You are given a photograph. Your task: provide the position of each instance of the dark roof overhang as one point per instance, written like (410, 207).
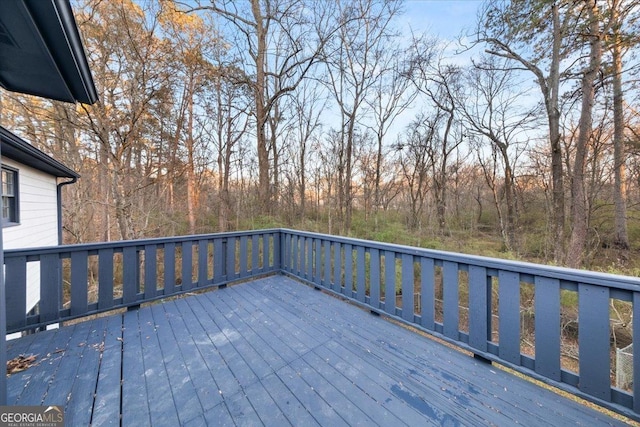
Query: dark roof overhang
(41, 52)
(17, 149)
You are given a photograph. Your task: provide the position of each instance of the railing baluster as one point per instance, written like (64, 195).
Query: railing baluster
(218, 260)
(509, 312)
(407, 287)
(451, 303)
(374, 278)
(593, 340)
(317, 272)
(348, 270)
(326, 279)
(79, 282)
(169, 268)
(427, 293)
(478, 307)
(636, 360)
(309, 272)
(244, 254)
(150, 271)
(231, 258)
(105, 278)
(547, 327)
(16, 292)
(360, 274)
(255, 252)
(390, 282)
(187, 265)
(337, 267)
(50, 287)
(203, 262)
(130, 275)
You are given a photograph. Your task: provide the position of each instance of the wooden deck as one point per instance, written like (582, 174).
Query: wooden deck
(271, 352)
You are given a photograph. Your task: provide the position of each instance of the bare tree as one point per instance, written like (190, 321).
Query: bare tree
(353, 61)
(535, 35)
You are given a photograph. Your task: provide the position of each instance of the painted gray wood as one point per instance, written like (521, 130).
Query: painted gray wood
(49, 287)
(451, 299)
(255, 253)
(231, 258)
(326, 277)
(407, 287)
(150, 271)
(244, 262)
(317, 272)
(360, 274)
(478, 307)
(509, 313)
(547, 327)
(374, 278)
(105, 278)
(169, 268)
(348, 270)
(79, 283)
(16, 292)
(390, 282)
(274, 352)
(337, 267)
(427, 293)
(219, 256)
(130, 275)
(593, 340)
(203, 262)
(636, 360)
(187, 266)
(276, 256)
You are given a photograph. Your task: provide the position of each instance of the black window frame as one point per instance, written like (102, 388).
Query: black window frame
(14, 218)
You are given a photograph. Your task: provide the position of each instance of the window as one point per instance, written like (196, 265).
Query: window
(9, 196)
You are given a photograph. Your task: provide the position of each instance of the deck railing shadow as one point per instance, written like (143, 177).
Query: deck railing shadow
(80, 280)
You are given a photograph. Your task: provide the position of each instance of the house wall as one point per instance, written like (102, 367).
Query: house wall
(38, 221)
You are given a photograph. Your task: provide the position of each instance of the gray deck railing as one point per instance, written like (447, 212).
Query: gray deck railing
(80, 280)
(472, 301)
(490, 325)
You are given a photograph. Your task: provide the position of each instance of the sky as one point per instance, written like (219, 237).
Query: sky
(443, 18)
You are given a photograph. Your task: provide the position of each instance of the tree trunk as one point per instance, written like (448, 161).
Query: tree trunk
(621, 238)
(580, 208)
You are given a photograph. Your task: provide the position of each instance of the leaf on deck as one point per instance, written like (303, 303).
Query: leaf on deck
(21, 363)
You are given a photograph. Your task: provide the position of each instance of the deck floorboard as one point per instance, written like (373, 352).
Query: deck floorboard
(271, 352)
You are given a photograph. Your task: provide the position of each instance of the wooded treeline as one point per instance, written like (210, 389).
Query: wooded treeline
(332, 116)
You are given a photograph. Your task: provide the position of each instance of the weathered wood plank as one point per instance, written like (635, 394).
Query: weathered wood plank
(348, 271)
(244, 255)
(218, 260)
(106, 408)
(203, 262)
(231, 259)
(135, 394)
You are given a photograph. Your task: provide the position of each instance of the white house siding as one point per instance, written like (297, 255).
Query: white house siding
(38, 221)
